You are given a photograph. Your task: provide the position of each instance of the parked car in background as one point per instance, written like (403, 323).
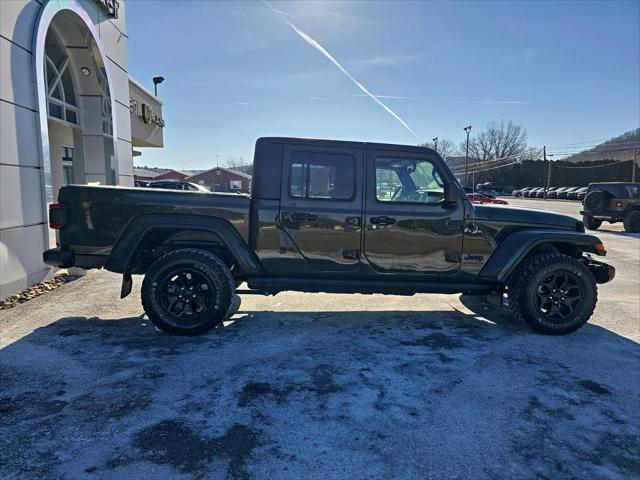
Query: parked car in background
(140, 183)
(544, 192)
(554, 193)
(484, 198)
(490, 187)
(582, 193)
(176, 185)
(574, 195)
(564, 193)
(533, 193)
(518, 191)
(613, 202)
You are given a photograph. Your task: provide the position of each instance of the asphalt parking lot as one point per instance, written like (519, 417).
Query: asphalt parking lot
(320, 386)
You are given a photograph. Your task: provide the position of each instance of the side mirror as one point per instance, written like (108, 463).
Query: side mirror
(451, 193)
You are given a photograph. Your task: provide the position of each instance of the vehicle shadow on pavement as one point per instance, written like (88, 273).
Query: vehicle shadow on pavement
(379, 394)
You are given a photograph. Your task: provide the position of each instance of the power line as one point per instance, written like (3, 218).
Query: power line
(594, 166)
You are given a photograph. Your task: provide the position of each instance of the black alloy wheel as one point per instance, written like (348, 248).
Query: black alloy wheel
(558, 296)
(553, 293)
(187, 291)
(186, 294)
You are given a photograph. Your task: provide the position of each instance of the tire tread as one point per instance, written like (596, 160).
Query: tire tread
(523, 276)
(208, 258)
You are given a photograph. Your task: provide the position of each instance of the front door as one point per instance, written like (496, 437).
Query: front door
(409, 229)
(320, 208)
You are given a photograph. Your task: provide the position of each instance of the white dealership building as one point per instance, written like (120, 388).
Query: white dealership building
(69, 113)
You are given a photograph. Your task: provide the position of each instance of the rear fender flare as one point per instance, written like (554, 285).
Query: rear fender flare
(125, 249)
(513, 249)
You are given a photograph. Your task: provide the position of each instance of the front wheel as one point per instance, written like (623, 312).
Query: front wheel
(632, 221)
(591, 223)
(187, 291)
(553, 293)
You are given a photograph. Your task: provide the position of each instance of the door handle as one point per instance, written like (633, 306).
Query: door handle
(383, 220)
(303, 217)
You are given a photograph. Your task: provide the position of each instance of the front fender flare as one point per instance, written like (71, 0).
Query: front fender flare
(126, 246)
(515, 247)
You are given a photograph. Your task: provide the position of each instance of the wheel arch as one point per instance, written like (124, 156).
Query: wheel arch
(189, 231)
(522, 244)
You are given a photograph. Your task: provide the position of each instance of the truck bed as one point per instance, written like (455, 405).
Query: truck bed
(96, 215)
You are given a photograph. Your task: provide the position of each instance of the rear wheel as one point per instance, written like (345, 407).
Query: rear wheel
(591, 223)
(187, 291)
(553, 293)
(632, 221)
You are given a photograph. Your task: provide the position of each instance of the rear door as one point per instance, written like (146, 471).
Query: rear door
(408, 228)
(321, 208)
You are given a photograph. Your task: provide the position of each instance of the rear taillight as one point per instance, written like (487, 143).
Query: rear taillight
(56, 216)
(619, 203)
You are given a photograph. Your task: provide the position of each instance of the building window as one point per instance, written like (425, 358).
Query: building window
(235, 185)
(103, 87)
(321, 176)
(61, 98)
(67, 165)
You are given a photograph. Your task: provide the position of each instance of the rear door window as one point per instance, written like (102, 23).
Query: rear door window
(321, 175)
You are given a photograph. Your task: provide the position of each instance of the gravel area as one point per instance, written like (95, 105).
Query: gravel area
(38, 289)
(320, 386)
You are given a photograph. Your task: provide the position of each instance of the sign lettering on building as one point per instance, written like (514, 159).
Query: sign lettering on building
(145, 113)
(109, 7)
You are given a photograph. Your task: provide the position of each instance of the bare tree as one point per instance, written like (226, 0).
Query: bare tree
(446, 147)
(499, 140)
(235, 163)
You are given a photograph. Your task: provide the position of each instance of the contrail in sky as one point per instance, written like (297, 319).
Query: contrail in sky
(321, 49)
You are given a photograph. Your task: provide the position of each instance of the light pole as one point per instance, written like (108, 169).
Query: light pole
(466, 157)
(435, 144)
(156, 81)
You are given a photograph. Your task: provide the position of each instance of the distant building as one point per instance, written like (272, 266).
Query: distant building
(148, 175)
(223, 180)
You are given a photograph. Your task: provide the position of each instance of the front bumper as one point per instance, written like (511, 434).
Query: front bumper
(602, 271)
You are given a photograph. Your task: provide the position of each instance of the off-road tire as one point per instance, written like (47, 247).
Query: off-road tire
(591, 223)
(632, 221)
(527, 282)
(596, 201)
(205, 269)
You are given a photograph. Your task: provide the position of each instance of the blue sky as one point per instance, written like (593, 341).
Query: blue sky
(235, 71)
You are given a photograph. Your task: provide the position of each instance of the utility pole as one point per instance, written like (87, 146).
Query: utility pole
(633, 165)
(435, 144)
(466, 157)
(544, 157)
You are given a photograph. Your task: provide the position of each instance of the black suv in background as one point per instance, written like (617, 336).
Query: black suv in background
(613, 202)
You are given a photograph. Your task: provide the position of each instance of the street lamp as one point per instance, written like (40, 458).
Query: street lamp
(156, 81)
(435, 144)
(466, 157)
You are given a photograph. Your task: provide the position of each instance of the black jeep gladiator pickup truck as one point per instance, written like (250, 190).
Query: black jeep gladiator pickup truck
(329, 216)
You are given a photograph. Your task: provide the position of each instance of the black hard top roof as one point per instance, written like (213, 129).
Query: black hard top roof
(345, 144)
